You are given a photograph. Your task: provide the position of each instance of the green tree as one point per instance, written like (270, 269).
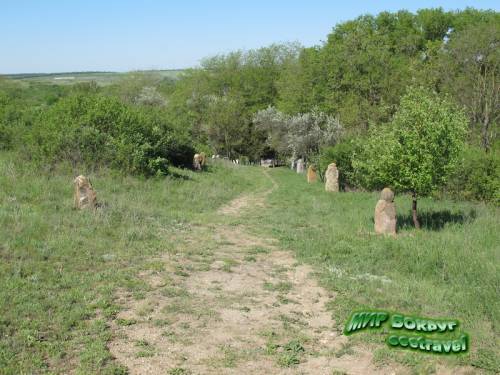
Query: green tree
(470, 67)
(302, 85)
(363, 68)
(217, 101)
(418, 150)
(224, 124)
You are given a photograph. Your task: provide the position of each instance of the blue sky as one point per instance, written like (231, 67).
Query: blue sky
(122, 35)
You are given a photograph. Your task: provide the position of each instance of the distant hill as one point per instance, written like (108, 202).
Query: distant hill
(102, 78)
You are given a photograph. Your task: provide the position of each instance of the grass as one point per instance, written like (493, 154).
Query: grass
(178, 371)
(282, 287)
(229, 264)
(449, 269)
(288, 354)
(228, 357)
(145, 349)
(60, 269)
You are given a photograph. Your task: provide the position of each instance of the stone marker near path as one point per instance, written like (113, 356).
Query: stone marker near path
(197, 162)
(312, 175)
(385, 213)
(203, 161)
(332, 178)
(85, 195)
(300, 166)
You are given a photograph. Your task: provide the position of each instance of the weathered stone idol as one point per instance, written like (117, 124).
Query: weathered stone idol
(197, 162)
(312, 175)
(85, 196)
(300, 166)
(332, 178)
(203, 160)
(385, 213)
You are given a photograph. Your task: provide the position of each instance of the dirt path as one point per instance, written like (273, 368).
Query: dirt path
(231, 303)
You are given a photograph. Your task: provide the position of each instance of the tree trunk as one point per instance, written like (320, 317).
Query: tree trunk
(485, 135)
(414, 211)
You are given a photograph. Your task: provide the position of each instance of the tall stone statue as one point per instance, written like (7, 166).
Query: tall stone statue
(312, 175)
(85, 195)
(332, 178)
(385, 213)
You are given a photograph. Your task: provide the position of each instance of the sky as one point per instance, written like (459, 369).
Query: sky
(46, 36)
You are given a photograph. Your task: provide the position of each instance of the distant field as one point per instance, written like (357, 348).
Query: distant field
(102, 78)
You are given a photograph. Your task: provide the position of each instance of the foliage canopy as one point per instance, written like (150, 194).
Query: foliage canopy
(419, 148)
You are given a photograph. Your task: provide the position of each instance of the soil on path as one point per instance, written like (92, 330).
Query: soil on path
(228, 302)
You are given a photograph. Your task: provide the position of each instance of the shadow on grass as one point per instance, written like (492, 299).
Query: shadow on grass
(435, 220)
(180, 176)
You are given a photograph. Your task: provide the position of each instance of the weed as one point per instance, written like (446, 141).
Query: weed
(178, 371)
(146, 350)
(126, 322)
(228, 264)
(250, 258)
(291, 354)
(282, 286)
(254, 250)
(346, 349)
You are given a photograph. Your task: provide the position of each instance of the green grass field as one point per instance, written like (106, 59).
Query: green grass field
(61, 269)
(449, 269)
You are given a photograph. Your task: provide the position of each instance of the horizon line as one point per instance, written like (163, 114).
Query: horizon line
(92, 71)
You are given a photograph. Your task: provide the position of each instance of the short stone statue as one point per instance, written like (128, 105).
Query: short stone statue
(85, 195)
(312, 175)
(332, 178)
(385, 213)
(197, 162)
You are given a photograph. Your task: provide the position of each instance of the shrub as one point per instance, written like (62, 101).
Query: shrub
(15, 122)
(301, 135)
(478, 177)
(341, 154)
(6, 132)
(95, 130)
(9, 118)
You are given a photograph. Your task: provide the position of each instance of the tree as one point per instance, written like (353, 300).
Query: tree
(300, 135)
(308, 132)
(273, 124)
(418, 150)
(302, 85)
(131, 86)
(217, 101)
(367, 63)
(470, 65)
(150, 96)
(224, 124)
